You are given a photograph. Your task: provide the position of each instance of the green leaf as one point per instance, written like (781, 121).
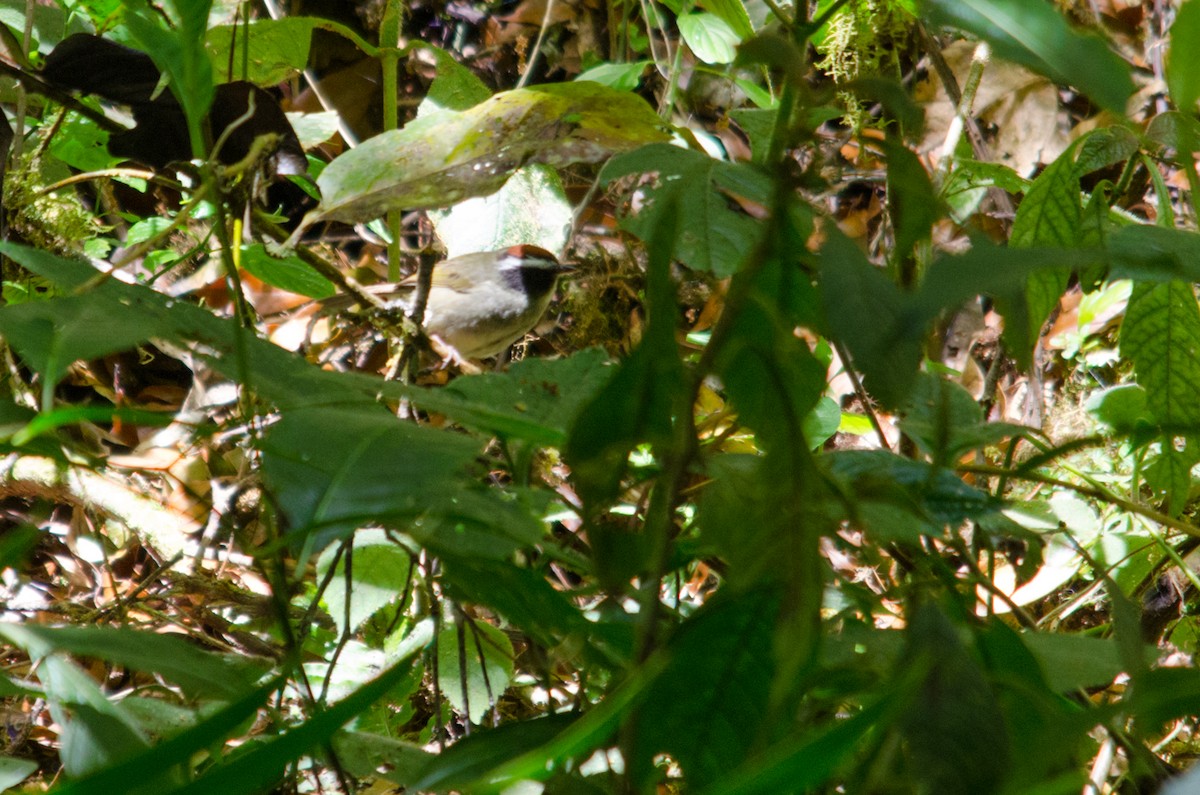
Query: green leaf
(1155, 254)
(758, 124)
(1105, 147)
(200, 673)
(713, 235)
(287, 273)
(637, 404)
(380, 574)
(273, 50)
(954, 726)
(887, 350)
(94, 731)
(335, 469)
(1183, 80)
(572, 743)
(1072, 662)
(51, 334)
(774, 51)
(706, 707)
(621, 76)
(364, 754)
(970, 180)
(139, 774)
(911, 200)
(1123, 409)
(810, 759)
(262, 766)
(1170, 473)
(523, 597)
(1049, 215)
(485, 671)
(1161, 336)
(710, 38)
(455, 88)
(13, 771)
(531, 208)
(762, 348)
(1094, 230)
(1173, 132)
(80, 143)
(16, 546)
(178, 51)
(734, 14)
(443, 158)
(536, 400)
(937, 494)
(1034, 34)
(48, 25)
(945, 421)
(473, 757)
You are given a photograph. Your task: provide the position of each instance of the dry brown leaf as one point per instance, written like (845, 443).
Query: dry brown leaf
(1022, 106)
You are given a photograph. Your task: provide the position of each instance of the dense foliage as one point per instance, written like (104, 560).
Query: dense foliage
(855, 456)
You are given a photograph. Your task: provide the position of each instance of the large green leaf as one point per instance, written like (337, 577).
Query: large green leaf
(273, 50)
(911, 199)
(13, 771)
(475, 756)
(1161, 336)
(1183, 79)
(522, 596)
(94, 732)
(332, 470)
(178, 51)
(714, 235)
(380, 573)
(1033, 33)
(638, 403)
(51, 334)
(139, 774)
(887, 349)
(531, 208)
(536, 400)
(1049, 215)
(200, 673)
(945, 421)
(954, 727)
(442, 158)
(938, 494)
(260, 767)
(706, 707)
(807, 760)
(475, 665)
(709, 36)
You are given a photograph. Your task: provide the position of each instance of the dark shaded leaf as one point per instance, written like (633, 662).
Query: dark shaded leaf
(955, 730)
(714, 234)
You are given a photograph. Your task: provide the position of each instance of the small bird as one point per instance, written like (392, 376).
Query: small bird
(481, 303)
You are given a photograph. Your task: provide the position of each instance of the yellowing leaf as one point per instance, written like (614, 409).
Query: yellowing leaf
(442, 158)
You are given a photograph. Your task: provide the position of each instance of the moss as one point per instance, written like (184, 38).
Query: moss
(54, 222)
(865, 38)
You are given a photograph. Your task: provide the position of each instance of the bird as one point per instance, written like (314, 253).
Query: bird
(479, 304)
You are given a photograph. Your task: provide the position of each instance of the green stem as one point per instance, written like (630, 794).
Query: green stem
(389, 60)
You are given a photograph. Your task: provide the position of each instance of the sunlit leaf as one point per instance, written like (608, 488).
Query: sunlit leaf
(443, 158)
